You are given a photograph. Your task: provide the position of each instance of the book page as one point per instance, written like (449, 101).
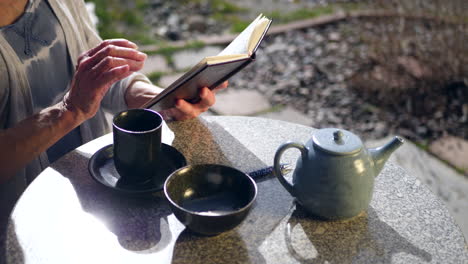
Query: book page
(240, 45)
(258, 33)
(225, 58)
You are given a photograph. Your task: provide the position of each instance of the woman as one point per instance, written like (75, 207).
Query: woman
(55, 74)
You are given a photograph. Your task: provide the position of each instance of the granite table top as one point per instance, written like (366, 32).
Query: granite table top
(66, 217)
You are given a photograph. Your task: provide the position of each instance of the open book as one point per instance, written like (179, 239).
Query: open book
(212, 71)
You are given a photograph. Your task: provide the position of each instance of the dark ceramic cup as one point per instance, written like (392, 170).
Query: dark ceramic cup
(137, 144)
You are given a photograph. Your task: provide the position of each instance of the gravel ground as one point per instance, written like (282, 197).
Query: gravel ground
(313, 70)
(335, 75)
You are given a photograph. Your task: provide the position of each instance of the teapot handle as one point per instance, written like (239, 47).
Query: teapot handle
(277, 165)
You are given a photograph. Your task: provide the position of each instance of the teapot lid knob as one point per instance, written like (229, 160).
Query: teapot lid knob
(338, 136)
(337, 141)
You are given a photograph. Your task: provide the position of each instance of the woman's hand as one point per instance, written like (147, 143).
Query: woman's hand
(184, 110)
(99, 68)
(140, 92)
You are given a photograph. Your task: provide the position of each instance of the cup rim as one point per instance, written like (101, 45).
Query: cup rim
(137, 132)
(244, 208)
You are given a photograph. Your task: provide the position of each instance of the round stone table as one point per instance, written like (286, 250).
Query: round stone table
(65, 216)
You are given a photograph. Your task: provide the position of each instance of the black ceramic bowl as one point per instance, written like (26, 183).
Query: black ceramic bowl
(210, 199)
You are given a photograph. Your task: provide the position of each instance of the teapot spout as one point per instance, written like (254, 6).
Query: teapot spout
(381, 154)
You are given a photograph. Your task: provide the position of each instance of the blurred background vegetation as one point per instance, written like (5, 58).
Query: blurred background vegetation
(123, 18)
(119, 18)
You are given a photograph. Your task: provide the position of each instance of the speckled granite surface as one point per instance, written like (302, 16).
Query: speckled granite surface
(66, 217)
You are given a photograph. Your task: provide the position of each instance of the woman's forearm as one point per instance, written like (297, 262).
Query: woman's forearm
(34, 135)
(138, 93)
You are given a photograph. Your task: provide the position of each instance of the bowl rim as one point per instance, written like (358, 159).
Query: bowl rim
(246, 207)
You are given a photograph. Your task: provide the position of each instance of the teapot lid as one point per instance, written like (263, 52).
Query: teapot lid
(337, 141)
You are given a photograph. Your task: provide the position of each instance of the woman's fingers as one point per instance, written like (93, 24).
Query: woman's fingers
(135, 59)
(184, 110)
(224, 85)
(113, 75)
(121, 52)
(111, 62)
(107, 42)
(106, 49)
(115, 42)
(207, 99)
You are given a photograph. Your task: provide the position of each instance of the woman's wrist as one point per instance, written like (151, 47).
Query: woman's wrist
(69, 112)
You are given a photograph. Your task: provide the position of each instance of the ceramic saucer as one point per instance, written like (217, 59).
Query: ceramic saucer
(102, 169)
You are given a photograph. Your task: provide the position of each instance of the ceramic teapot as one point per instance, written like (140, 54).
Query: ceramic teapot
(334, 177)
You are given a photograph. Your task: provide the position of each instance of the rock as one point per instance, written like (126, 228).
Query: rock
(318, 51)
(156, 3)
(464, 117)
(344, 48)
(196, 23)
(275, 47)
(318, 38)
(303, 91)
(173, 21)
(414, 67)
(330, 47)
(173, 35)
(452, 149)
(334, 36)
(162, 30)
(388, 78)
(380, 128)
(421, 130)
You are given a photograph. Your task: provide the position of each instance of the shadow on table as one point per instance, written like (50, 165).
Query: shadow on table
(139, 223)
(202, 141)
(362, 239)
(142, 224)
(240, 245)
(272, 204)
